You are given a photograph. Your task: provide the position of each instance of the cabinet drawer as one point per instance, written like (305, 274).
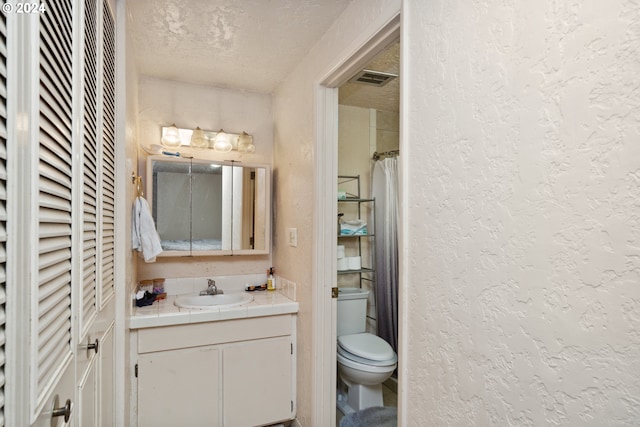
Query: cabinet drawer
(218, 332)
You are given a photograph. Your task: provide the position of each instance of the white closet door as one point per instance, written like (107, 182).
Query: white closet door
(51, 283)
(3, 203)
(108, 157)
(89, 169)
(98, 161)
(98, 176)
(61, 263)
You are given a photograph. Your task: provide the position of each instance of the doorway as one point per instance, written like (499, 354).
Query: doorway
(368, 145)
(325, 307)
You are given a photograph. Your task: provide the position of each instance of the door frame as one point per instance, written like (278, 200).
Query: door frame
(326, 167)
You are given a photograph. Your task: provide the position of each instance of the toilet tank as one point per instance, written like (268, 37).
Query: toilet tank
(352, 311)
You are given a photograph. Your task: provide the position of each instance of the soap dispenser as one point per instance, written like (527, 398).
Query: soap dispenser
(271, 281)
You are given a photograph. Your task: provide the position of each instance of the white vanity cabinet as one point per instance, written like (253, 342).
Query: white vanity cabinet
(237, 372)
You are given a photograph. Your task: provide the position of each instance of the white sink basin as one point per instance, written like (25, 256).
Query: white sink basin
(211, 301)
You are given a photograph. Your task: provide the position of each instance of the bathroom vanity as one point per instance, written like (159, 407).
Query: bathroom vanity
(220, 367)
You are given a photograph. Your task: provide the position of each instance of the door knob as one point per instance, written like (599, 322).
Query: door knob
(64, 411)
(95, 346)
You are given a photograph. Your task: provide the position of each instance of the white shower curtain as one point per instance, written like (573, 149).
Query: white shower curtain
(385, 191)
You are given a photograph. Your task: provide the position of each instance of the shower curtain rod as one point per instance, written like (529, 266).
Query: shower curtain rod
(390, 153)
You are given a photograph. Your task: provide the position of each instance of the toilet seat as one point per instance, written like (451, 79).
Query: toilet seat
(366, 349)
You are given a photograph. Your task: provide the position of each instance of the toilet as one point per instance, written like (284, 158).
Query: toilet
(365, 360)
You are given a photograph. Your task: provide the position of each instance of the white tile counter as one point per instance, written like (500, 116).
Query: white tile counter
(165, 312)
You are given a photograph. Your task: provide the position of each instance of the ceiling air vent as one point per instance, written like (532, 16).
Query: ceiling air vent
(374, 78)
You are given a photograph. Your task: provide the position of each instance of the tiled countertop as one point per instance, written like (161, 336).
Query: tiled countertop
(165, 313)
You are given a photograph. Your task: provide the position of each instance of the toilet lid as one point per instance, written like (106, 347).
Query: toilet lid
(367, 346)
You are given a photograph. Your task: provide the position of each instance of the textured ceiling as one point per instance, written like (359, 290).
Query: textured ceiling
(249, 45)
(386, 97)
(246, 45)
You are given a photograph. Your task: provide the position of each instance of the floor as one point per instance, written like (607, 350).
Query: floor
(389, 397)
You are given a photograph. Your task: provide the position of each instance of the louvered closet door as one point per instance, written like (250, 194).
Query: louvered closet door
(108, 157)
(51, 321)
(106, 294)
(90, 170)
(98, 162)
(3, 203)
(94, 369)
(64, 212)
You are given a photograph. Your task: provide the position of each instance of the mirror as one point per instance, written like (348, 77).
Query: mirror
(209, 208)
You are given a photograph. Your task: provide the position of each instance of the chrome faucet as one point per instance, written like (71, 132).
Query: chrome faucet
(212, 289)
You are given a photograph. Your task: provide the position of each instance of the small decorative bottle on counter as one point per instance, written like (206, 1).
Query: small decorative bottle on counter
(271, 280)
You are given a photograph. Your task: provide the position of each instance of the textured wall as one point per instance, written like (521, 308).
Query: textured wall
(387, 130)
(294, 162)
(523, 218)
(162, 102)
(129, 145)
(126, 164)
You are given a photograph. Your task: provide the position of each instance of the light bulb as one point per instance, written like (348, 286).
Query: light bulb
(171, 137)
(222, 142)
(198, 139)
(245, 143)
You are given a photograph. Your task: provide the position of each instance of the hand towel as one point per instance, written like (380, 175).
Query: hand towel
(144, 237)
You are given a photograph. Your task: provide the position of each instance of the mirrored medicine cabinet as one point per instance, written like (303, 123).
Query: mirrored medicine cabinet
(204, 208)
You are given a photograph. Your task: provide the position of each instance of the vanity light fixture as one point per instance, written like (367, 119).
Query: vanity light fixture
(171, 137)
(221, 141)
(198, 139)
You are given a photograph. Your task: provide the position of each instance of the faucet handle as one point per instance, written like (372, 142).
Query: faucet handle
(211, 282)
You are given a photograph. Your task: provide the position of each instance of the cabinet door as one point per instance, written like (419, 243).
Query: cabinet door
(106, 381)
(179, 388)
(96, 384)
(257, 380)
(87, 396)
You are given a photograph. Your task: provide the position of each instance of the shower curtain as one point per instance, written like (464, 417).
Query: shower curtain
(385, 191)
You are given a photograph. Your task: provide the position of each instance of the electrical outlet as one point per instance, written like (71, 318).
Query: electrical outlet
(293, 237)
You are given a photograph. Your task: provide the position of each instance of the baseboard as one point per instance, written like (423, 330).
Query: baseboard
(392, 384)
